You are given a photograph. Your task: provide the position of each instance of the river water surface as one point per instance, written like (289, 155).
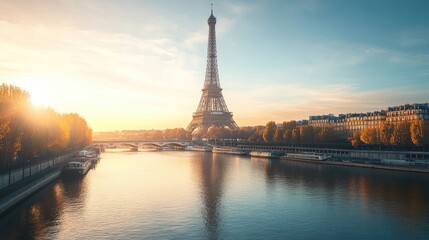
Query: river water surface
(195, 195)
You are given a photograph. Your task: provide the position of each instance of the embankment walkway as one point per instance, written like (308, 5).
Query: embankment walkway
(17, 185)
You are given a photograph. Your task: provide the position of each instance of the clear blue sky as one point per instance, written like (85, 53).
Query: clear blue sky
(140, 64)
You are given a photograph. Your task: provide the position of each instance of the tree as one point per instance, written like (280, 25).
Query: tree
(370, 136)
(257, 135)
(182, 134)
(401, 135)
(289, 125)
(386, 130)
(27, 132)
(355, 139)
(295, 137)
(246, 132)
(218, 133)
(287, 136)
(157, 135)
(234, 134)
(327, 135)
(419, 133)
(80, 133)
(278, 135)
(307, 134)
(317, 134)
(269, 131)
(13, 104)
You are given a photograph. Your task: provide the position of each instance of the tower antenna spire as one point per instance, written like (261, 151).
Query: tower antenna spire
(211, 7)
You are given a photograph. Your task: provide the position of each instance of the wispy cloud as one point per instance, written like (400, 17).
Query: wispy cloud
(100, 68)
(241, 9)
(144, 63)
(298, 101)
(413, 37)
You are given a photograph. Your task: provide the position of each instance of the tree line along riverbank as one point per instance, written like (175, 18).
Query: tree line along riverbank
(30, 134)
(404, 136)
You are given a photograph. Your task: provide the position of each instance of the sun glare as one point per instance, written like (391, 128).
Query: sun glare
(39, 98)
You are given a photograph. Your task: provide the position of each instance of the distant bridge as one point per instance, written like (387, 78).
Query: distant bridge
(139, 143)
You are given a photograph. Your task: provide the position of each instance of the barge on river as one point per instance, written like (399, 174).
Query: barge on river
(305, 156)
(77, 167)
(198, 148)
(229, 150)
(260, 154)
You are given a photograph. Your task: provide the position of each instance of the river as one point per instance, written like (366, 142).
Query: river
(196, 195)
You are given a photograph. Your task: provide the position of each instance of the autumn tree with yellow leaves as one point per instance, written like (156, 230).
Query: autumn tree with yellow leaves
(386, 131)
(28, 132)
(400, 134)
(370, 136)
(269, 132)
(419, 132)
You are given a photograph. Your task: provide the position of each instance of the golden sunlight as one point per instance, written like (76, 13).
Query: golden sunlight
(38, 88)
(39, 98)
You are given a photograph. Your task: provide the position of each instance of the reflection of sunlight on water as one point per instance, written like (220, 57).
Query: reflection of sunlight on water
(38, 221)
(59, 191)
(364, 191)
(260, 163)
(35, 213)
(191, 195)
(124, 149)
(117, 150)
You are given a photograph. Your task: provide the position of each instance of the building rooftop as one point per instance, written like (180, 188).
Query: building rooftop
(409, 107)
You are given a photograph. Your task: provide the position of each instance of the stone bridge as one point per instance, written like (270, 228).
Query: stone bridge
(138, 143)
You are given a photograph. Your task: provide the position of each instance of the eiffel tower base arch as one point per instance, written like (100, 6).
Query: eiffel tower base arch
(203, 121)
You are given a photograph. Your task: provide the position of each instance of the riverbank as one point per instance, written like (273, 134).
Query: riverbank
(19, 184)
(10, 200)
(387, 160)
(225, 197)
(362, 165)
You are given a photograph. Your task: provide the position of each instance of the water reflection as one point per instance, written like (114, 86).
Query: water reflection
(74, 191)
(33, 219)
(400, 193)
(189, 195)
(40, 216)
(210, 173)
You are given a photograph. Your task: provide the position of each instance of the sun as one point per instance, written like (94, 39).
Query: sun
(39, 98)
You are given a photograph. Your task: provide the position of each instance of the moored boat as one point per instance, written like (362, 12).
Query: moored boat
(306, 156)
(78, 167)
(229, 150)
(263, 154)
(198, 148)
(90, 155)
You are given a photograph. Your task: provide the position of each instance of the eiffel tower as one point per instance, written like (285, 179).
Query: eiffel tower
(212, 109)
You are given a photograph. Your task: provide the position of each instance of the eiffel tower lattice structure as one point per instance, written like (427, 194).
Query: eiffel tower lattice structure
(212, 109)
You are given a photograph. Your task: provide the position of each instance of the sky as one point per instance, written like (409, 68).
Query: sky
(133, 64)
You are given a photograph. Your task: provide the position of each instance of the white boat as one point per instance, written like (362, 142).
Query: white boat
(198, 148)
(77, 167)
(306, 156)
(89, 154)
(229, 150)
(262, 154)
